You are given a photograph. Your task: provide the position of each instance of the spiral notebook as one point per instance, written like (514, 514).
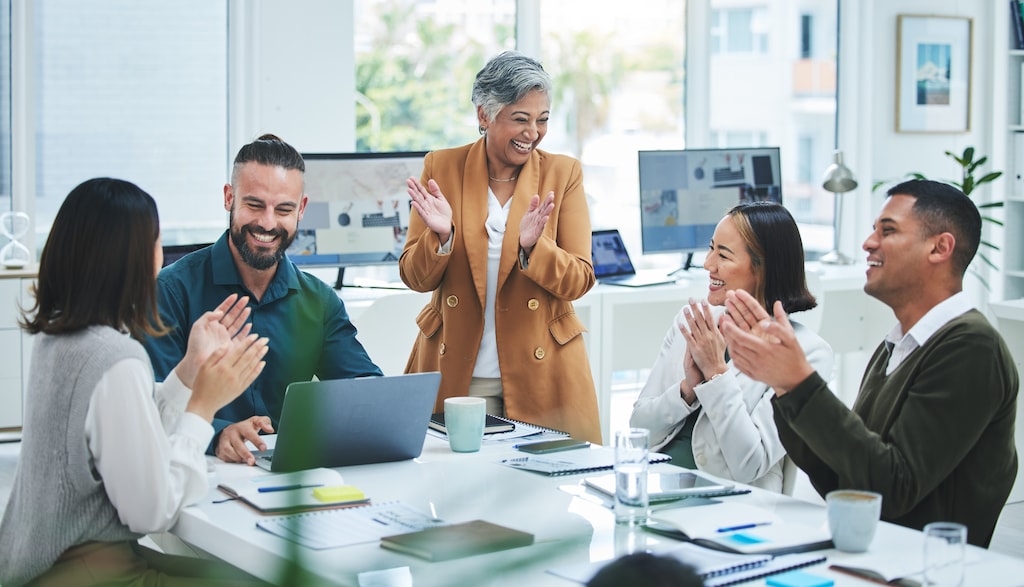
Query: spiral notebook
(715, 567)
(333, 528)
(598, 458)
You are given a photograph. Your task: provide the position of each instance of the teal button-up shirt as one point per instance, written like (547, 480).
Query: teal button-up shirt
(308, 327)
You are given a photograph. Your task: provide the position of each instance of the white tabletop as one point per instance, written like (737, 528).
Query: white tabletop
(463, 487)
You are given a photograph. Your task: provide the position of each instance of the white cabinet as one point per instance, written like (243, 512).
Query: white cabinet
(10, 354)
(14, 346)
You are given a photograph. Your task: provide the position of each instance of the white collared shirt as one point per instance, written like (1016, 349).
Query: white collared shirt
(904, 344)
(497, 216)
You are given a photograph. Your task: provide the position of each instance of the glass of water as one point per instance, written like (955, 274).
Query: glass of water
(631, 451)
(944, 550)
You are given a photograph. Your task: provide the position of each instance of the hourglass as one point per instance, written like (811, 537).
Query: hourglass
(14, 225)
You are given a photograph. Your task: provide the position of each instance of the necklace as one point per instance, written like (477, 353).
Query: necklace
(513, 178)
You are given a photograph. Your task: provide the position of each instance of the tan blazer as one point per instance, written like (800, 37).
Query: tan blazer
(545, 373)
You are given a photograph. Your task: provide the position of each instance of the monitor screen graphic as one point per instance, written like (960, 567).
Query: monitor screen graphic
(358, 209)
(684, 193)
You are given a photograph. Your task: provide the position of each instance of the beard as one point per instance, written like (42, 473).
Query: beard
(257, 260)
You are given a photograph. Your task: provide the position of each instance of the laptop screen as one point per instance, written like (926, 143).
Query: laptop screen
(609, 254)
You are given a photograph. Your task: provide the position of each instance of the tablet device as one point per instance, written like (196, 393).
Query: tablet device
(666, 486)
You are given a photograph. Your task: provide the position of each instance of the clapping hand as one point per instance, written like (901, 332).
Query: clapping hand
(432, 206)
(764, 349)
(211, 331)
(704, 343)
(534, 221)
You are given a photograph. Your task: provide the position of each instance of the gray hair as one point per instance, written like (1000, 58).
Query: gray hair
(506, 79)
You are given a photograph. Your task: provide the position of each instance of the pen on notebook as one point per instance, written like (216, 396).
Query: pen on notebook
(287, 487)
(743, 526)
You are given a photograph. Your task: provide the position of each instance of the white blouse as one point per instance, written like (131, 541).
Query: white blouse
(148, 450)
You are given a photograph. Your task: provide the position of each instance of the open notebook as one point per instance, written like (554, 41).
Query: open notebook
(596, 458)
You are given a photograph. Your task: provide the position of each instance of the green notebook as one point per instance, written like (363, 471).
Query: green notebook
(457, 540)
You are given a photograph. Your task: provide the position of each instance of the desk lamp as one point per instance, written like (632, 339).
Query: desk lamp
(838, 180)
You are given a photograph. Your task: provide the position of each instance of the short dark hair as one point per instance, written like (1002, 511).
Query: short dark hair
(643, 569)
(269, 150)
(98, 266)
(943, 208)
(776, 254)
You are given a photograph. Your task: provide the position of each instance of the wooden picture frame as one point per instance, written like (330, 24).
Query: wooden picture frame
(933, 73)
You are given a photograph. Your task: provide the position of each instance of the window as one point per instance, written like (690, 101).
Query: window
(415, 65)
(739, 30)
(619, 83)
(138, 92)
(786, 95)
(806, 32)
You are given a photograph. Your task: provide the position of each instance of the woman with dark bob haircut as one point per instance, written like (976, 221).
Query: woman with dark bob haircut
(697, 405)
(107, 455)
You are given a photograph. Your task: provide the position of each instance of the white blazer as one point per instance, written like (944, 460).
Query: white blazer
(734, 436)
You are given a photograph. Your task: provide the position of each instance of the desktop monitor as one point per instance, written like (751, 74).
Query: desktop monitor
(358, 210)
(684, 193)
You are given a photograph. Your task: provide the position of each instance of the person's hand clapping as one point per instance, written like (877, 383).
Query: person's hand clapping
(703, 341)
(432, 206)
(211, 331)
(225, 374)
(769, 353)
(534, 221)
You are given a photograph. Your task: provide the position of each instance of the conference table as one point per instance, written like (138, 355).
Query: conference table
(570, 526)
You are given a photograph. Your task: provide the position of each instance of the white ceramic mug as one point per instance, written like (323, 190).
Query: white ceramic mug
(464, 419)
(852, 517)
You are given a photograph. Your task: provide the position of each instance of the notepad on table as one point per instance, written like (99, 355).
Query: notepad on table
(492, 424)
(309, 489)
(742, 528)
(596, 458)
(457, 540)
(344, 527)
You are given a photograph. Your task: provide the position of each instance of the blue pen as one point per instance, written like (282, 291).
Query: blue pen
(287, 487)
(743, 526)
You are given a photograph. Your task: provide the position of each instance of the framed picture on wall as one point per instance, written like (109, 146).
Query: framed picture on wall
(933, 73)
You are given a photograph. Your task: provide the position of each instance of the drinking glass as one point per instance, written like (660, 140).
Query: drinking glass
(944, 549)
(631, 462)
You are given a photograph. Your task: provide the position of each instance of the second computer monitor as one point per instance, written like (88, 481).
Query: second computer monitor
(684, 193)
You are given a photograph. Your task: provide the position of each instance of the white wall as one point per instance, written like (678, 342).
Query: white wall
(294, 73)
(874, 150)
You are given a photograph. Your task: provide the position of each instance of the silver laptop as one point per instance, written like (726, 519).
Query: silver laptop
(613, 266)
(352, 422)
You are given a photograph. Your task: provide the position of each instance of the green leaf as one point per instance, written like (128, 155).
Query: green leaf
(968, 186)
(991, 176)
(969, 154)
(989, 245)
(991, 205)
(995, 221)
(917, 175)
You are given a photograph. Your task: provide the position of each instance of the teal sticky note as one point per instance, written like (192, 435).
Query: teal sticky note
(743, 538)
(799, 579)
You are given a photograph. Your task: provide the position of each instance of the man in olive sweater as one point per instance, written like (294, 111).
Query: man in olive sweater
(932, 426)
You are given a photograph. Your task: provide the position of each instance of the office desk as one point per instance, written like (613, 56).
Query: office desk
(463, 487)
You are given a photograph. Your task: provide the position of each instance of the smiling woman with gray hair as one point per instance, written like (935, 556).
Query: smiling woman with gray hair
(502, 238)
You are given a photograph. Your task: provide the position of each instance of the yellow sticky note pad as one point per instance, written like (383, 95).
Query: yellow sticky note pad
(338, 493)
